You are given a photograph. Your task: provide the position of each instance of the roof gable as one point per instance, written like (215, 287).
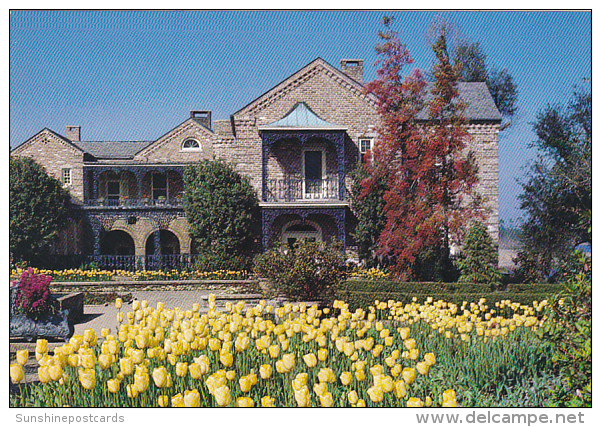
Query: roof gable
(47, 131)
(301, 117)
(168, 136)
(316, 66)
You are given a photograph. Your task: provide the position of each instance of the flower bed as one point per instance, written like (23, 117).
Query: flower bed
(392, 354)
(78, 275)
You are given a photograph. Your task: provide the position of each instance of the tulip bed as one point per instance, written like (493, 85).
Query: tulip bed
(94, 275)
(391, 355)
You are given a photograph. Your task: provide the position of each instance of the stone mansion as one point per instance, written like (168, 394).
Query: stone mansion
(296, 143)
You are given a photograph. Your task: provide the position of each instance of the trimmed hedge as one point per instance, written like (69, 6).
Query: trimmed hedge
(363, 293)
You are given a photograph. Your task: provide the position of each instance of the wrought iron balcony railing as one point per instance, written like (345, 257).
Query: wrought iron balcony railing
(144, 202)
(299, 189)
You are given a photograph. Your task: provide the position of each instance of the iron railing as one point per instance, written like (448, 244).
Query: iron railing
(144, 202)
(299, 189)
(143, 262)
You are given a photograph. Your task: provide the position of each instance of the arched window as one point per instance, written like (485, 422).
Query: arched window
(191, 145)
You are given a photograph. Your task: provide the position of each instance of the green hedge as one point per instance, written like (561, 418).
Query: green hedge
(362, 293)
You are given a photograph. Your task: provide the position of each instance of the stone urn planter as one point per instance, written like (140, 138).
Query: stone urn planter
(54, 326)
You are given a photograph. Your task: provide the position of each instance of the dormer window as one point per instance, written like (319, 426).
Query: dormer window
(191, 145)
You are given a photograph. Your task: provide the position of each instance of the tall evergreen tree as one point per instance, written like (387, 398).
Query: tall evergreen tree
(38, 207)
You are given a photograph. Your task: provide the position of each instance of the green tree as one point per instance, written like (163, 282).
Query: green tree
(472, 63)
(369, 211)
(39, 207)
(479, 257)
(557, 194)
(222, 209)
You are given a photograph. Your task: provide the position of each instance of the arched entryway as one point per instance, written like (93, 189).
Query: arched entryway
(117, 242)
(301, 231)
(168, 241)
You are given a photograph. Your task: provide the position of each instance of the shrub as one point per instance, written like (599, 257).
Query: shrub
(39, 207)
(568, 328)
(33, 294)
(222, 209)
(480, 258)
(308, 272)
(211, 261)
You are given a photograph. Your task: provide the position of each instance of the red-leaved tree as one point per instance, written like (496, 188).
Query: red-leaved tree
(421, 161)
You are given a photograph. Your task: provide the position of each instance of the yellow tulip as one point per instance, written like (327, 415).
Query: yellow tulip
(105, 361)
(310, 360)
(22, 357)
(43, 374)
(326, 375)
(267, 402)
(163, 401)
(127, 365)
(353, 397)
(320, 388)
(430, 359)
(113, 385)
(90, 337)
(408, 375)
(181, 369)
(223, 396)
(177, 401)
(360, 375)
(159, 375)
(400, 389)
(118, 303)
(361, 403)
(288, 361)
(303, 397)
(422, 368)
(375, 394)
(226, 359)
(203, 363)
(245, 402)
(41, 346)
(274, 351)
(322, 354)
(17, 373)
(245, 384)
(428, 401)
(265, 371)
(87, 378)
(415, 402)
(346, 378)
(55, 372)
(192, 399)
(326, 400)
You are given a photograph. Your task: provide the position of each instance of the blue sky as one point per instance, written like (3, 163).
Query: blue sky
(134, 75)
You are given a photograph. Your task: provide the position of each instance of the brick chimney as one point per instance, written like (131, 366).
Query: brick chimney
(74, 133)
(352, 68)
(202, 117)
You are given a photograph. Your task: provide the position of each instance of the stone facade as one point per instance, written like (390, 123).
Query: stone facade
(135, 187)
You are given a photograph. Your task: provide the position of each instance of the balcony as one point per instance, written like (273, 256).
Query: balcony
(135, 203)
(302, 190)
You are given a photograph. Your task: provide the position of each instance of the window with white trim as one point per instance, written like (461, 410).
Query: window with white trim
(191, 145)
(365, 146)
(66, 176)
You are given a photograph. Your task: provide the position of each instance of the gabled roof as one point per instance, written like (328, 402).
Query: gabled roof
(112, 149)
(292, 81)
(53, 133)
(479, 103)
(301, 117)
